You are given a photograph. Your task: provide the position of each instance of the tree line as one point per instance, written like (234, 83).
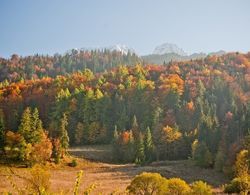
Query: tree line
(19, 68)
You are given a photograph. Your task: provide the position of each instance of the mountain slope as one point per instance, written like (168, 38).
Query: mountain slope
(168, 48)
(170, 52)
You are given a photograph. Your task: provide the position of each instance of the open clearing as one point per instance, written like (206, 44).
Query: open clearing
(111, 177)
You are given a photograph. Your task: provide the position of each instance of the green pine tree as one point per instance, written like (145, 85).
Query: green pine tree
(219, 160)
(64, 138)
(79, 133)
(36, 127)
(25, 126)
(135, 129)
(22, 152)
(201, 154)
(115, 135)
(149, 146)
(140, 151)
(115, 145)
(130, 150)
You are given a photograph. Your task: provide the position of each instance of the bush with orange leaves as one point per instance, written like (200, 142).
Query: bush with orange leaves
(40, 152)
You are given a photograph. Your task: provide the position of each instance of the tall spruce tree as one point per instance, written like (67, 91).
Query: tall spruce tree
(64, 138)
(31, 127)
(140, 151)
(131, 148)
(25, 126)
(115, 145)
(115, 136)
(79, 133)
(201, 154)
(149, 146)
(36, 127)
(135, 128)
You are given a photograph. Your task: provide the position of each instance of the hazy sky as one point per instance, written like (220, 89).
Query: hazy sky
(50, 26)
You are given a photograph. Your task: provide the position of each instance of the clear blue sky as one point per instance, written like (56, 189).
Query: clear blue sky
(50, 26)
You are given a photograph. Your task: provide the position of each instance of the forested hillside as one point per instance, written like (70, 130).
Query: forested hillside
(202, 104)
(38, 66)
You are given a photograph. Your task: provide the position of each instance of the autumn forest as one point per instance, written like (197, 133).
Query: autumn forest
(197, 109)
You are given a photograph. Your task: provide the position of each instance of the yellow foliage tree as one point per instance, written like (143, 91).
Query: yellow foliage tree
(147, 183)
(177, 186)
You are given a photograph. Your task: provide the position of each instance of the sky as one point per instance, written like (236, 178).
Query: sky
(55, 26)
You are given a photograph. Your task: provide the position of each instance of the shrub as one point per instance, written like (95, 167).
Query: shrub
(77, 182)
(39, 182)
(15, 146)
(238, 185)
(40, 152)
(176, 186)
(200, 188)
(73, 163)
(155, 184)
(147, 183)
(241, 164)
(233, 187)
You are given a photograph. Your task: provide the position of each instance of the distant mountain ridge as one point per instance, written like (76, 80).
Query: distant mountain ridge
(170, 52)
(168, 48)
(163, 53)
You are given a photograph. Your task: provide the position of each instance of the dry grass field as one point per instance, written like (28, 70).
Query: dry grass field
(110, 178)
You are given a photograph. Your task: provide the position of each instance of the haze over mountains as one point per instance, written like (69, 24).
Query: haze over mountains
(171, 52)
(169, 48)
